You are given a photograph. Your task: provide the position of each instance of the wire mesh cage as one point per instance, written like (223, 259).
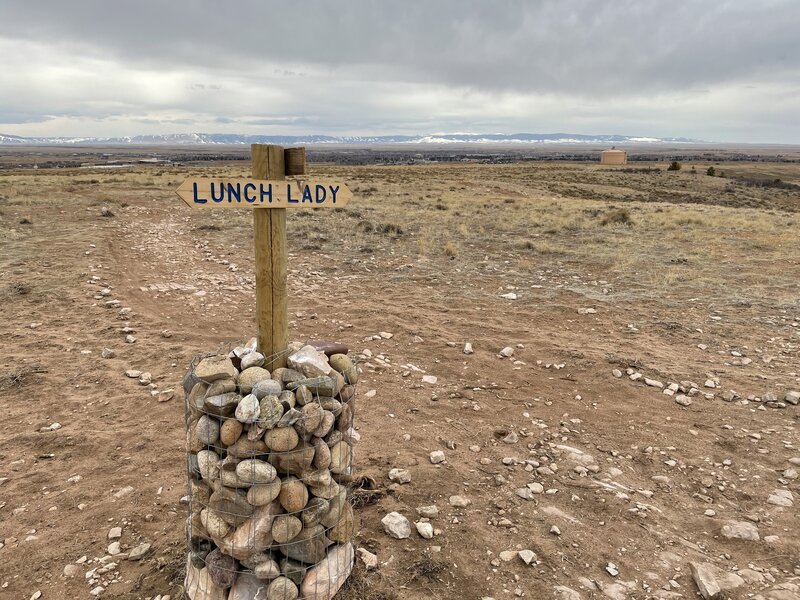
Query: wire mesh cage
(269, 460)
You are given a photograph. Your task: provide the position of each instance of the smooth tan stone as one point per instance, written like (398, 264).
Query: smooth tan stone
(326, 491)
(200, 493)
(303, 395)
(207, 430)
(214, 524)
(308, 546)
(264, 493)
(336, 504)
(268, 569)
(231, 505)
(331, 405)
(322, 454)
(244, 448)
(312, 415)
(221, 405)
(347, 393)
(208, 463)
(196, 397)
(253, 470)
(345, 418)
(345, 528)
(199, 586)
(294, 461)
(324, 580)
(230, 431)
(222, 386)
(282, 588)
(281, 439)
(285, 528)
(314, 511)
(341, 457)
(344, 365)
(326, 425)
(212, 368)
(294, 495)
(253, 536)
(249, 377)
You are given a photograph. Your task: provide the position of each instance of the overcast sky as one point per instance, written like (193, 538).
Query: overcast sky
(713, 70)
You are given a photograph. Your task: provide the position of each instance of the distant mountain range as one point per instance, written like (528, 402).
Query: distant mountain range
(202, 139)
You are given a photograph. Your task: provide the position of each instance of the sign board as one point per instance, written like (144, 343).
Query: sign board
(260, 193)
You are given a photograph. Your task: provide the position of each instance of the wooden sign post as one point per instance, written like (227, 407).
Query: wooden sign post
(269, 194)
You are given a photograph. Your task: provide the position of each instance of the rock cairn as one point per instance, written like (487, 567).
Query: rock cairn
(269, 459)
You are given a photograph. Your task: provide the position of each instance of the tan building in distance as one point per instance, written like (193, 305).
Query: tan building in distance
(613, 157)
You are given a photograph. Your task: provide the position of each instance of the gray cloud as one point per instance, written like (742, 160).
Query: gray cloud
(637, 66)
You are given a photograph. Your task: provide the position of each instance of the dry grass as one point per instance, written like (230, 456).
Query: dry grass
(626, 226)
(16, 289)
(20, 376)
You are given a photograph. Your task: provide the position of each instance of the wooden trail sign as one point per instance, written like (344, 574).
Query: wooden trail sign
(269, 194)
(259, 193)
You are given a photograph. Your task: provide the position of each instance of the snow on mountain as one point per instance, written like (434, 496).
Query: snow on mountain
(199, 139)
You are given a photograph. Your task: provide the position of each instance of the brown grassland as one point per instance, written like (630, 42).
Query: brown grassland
(687, 274)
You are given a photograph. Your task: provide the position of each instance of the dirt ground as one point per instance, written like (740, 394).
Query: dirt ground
(580, 269)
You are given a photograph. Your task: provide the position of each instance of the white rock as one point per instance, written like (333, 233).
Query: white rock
(527, 556)
(712, 581)
(524, 493)
(424, 529)
(437, 456)
(310, 362)
(123, 492)
(400, 475)
(507, 352)
(248, 409)
(740, 530)
(509, 296)
(429, 512)
(459, 501)
(139, 552)
(369, 560)
(323, 580)
(431, 379)
(508, 555)
(468, 348)
(252, 359)
(781, 498)
(536, 487)
(653, 383)
(396, 525)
